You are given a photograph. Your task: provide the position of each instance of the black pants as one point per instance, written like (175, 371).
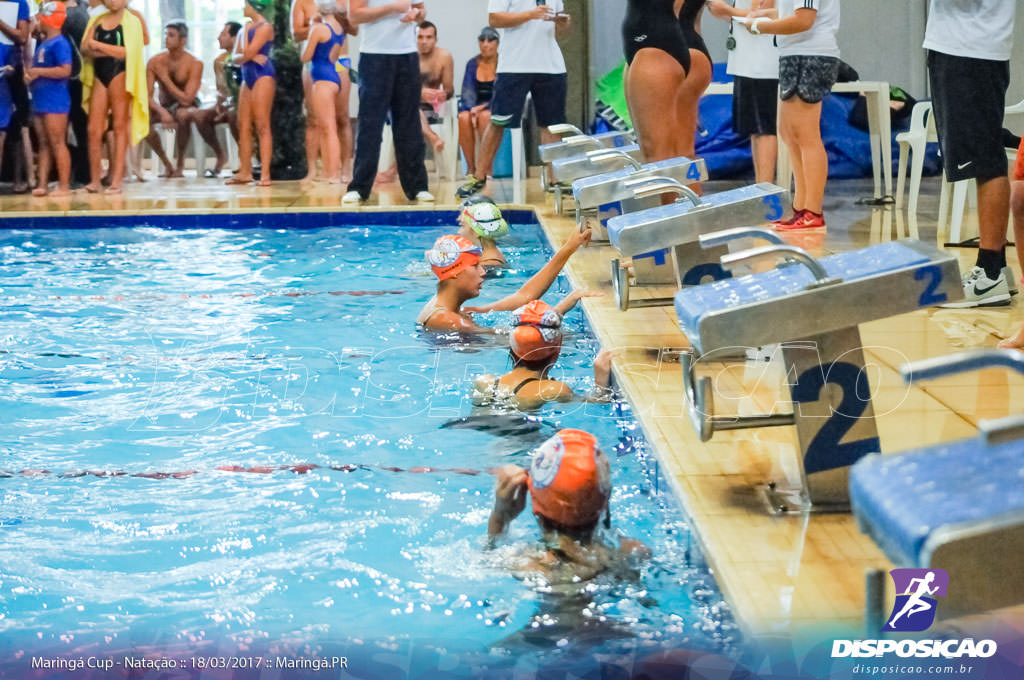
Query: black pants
(389, 83)
(78, 119)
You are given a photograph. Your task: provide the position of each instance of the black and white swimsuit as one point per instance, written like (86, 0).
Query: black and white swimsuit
(653, 23)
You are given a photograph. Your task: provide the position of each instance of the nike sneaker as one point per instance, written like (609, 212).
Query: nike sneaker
(779, 224)
(981, 291)
(805, 220)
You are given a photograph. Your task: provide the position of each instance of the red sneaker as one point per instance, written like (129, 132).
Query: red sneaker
(786, 223)
(806, 220)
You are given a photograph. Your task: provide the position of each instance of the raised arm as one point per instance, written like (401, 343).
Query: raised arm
(300, 22)
(513, 19)
(542, 280)
(509, 499)
(799, 22)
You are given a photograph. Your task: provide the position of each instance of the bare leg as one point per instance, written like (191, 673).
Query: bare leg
(262, 103)
(324, 93)
(652, 83)
(97, 127)
(341, 113)
(312, 127)
(245, 123)
(467, 140)
(993, 212)
(57, 137)
(182, 136)
(119, 105)
(155, 143)
(693, 86)
(432, 137)
(206, 125)
(765, 150)
(810, 162)
(28, 156)
(44, 165)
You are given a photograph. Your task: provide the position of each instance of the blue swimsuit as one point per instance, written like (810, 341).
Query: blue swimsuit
(321, 66)
(251, 71)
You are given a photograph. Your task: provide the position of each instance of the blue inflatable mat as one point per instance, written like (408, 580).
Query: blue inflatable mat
(901, 500)
(693, 303)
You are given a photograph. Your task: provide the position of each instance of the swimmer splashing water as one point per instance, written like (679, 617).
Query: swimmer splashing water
(915, 603)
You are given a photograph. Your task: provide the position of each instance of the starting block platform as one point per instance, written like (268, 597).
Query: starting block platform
(601, 197)
(813, 309)
(678, 227)
(956, 506)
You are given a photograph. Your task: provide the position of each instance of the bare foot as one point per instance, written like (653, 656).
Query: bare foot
(39, 191)
(263, 183)
(61, 192)
(93, 188)
(238, 179)
(308, 179)
(113, 189)
(386, 177)
(1016, 341)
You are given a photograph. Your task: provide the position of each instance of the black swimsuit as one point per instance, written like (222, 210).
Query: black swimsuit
(653, 23)
(688, 23)
(108, 68)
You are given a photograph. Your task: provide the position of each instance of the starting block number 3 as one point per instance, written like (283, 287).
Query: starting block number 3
(775, 210)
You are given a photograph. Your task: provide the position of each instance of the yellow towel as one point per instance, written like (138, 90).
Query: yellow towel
(135, 75)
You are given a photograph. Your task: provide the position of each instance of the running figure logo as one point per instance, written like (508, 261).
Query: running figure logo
(916, 590)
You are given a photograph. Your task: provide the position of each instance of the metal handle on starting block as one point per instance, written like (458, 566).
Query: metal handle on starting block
(654, 186)
(576, 140)
(565, 129)
(700, 406)
(608, 154)
(720, 238)
(620, 288)
(789, 253)
(962, 362)
(993, 431)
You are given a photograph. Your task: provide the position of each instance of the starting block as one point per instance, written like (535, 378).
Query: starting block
(679, 226)
(565, 171)
(601, 197)
(813, 308)
(956, 506)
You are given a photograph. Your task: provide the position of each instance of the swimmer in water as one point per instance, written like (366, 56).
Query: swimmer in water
(534, 346)
(569, 484)
(455, 261)
(480, 221)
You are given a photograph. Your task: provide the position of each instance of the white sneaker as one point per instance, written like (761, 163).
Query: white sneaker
(981, 291)
(351, 198)
(424, 197)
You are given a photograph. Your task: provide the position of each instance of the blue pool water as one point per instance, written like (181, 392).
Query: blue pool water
(157, 352)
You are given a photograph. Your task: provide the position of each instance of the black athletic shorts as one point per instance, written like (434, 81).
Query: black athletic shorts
(968, 101)
(510, 90)
(807, 77)
(755, 106)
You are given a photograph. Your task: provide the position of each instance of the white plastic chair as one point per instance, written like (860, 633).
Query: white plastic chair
(448, 129)
(913, 144)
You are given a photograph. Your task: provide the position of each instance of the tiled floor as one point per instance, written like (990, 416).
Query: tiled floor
(780, 574)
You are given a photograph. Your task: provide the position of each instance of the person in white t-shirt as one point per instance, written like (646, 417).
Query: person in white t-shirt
(969, 47)
(808, 68)
(529, 62)
(389, 82)
(754, 65)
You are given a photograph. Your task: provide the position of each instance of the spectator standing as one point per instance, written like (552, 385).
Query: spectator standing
(179, 75)
(808, 68)
(77, 18)
(323, 48)
(475, 100)
(529, 62)
(13, 95)
(389, 82)
(754, 64)
(256, 96)
(437, 73)
(47, 77)
(969, 46)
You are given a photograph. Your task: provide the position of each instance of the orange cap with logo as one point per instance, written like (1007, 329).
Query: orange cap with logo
(570, 479)
(537, 331)
(452, 255)
(52, 14)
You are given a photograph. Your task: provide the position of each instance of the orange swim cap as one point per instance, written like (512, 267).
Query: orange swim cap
(537, 331)
(570, 480)
(52, 14)
(451, 255)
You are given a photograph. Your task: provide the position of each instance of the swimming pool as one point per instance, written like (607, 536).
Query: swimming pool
(215, 368)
